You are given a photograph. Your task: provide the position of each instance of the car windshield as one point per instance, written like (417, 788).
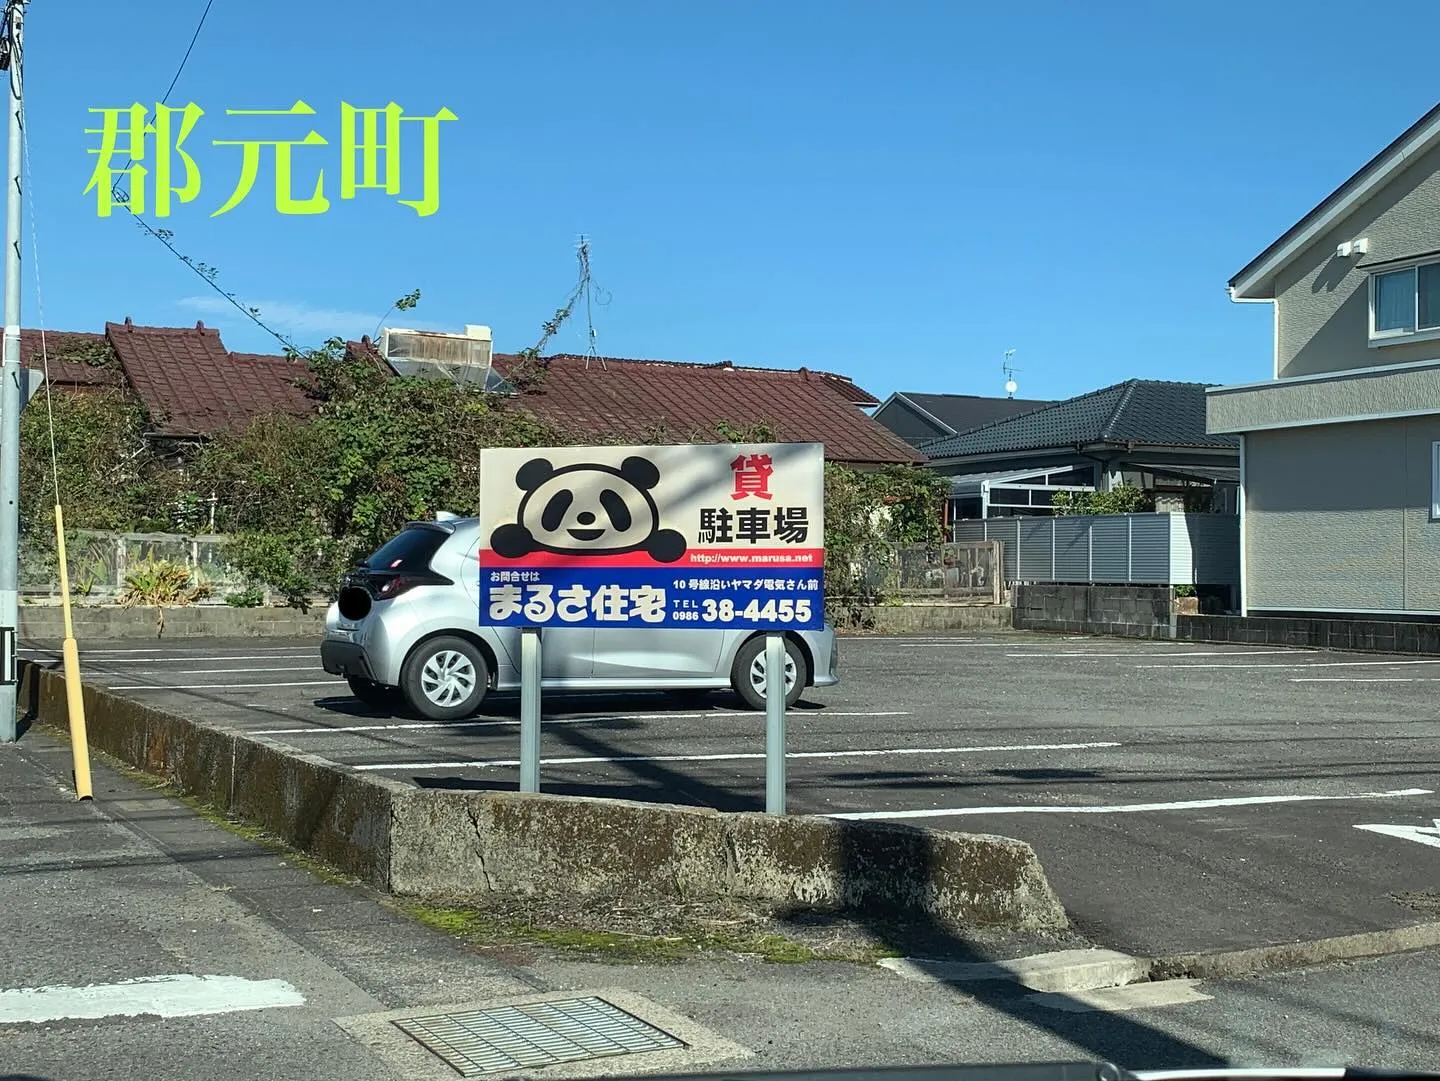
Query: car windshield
(410, 550)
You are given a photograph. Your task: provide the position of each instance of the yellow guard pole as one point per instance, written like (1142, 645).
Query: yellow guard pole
(74, 697)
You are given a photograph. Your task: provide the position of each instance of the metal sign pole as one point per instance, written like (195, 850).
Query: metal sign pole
(530, 709)
(775, 724)
(11, 395)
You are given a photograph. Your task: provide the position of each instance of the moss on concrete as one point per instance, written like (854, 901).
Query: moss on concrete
(683, 944)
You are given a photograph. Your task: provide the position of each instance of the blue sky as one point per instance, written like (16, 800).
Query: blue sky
(897, 190)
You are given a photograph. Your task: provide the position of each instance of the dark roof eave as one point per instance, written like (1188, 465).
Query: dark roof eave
(1052, 449)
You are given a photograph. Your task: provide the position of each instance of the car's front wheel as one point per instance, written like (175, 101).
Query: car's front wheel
(748, 675)
(445, 678)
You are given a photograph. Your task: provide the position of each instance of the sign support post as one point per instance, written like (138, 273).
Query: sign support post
(775, 724)
(530, 709)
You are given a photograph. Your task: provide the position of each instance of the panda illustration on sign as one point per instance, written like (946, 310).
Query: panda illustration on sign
(587, 510)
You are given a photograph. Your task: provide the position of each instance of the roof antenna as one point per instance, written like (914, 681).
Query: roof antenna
(587, 287)
(1010, 385)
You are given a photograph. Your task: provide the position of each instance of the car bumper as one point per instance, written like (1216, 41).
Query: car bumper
(345, 659)
(825, 649)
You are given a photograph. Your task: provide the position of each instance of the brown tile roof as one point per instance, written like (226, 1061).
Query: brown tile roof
(629, 398)
(842, 385)
(192, 386)
(67, 372)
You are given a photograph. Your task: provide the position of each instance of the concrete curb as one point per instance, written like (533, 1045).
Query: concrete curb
(1061, 972)
(459, 845)
(1292, 955)
(1082, 971)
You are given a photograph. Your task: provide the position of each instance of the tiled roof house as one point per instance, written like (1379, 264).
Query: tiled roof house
(922, 419)
(632, 399)
(629, 398)
(52, 351)
(192, 387)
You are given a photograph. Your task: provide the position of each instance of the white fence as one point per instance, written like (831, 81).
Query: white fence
(958, 570)
(99, 561)
(1134, 549)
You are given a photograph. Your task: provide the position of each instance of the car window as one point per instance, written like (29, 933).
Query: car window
(409, 550)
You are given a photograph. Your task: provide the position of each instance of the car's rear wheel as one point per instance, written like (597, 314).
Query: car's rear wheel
(445, 678)
(375, 695)
(747, 675)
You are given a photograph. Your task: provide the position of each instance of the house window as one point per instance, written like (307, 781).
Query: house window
(1435, 482)
(1405, 302)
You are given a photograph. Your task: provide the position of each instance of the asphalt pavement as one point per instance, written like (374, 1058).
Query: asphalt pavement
(145, 943)
(1181, 797)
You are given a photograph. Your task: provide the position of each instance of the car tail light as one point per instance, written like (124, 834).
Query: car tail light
(393, 586)
(401, 583)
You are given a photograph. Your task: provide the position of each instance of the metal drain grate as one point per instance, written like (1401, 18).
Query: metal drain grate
(536, 1034)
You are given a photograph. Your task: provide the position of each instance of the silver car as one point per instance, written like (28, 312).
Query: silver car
(407, 621)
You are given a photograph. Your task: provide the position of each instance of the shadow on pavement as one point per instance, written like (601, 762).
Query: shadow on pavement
(1114, 1037)
(639, 793)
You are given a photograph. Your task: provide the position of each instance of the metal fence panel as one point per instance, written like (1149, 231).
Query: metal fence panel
(1150, 547)
(1110, 543)
(1215, 548)
(1035, 555)
(1145, 548)
(1071, 545)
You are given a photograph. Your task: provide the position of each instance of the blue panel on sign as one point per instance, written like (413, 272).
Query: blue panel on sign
(757, 598)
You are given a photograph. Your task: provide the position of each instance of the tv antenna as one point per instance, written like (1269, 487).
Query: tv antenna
(1010, 385)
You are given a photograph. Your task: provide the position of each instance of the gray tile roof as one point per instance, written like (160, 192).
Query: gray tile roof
(1151, 412)
(961, 412)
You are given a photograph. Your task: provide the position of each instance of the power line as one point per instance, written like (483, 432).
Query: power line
(201, 270)
(188, 50)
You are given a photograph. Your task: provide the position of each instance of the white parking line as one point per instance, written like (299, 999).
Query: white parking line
(944, 645)
(735, 757)
(219, 671)
(199, 657)
(199, 651)
(1364, 679)
(1312, 664)
(319, 729)
(163, 996)
(1164, 653)
(1123, 808)
(902, 639)
(221, 686)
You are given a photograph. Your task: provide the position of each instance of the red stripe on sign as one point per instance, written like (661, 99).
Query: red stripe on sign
(797, 558)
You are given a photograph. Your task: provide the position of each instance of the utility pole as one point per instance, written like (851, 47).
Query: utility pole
(12, 396)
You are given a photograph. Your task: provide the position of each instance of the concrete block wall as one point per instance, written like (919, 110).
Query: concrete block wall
(41, 623)
(913, 618)
(1362, 635)
(1129, 611)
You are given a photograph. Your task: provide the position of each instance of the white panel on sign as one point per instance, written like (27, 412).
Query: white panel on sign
(698, 535)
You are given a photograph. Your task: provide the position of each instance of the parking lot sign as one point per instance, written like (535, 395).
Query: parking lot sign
(699, 535)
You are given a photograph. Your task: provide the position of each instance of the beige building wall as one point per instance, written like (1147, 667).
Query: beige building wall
(1323, 299)
(1338, 517)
